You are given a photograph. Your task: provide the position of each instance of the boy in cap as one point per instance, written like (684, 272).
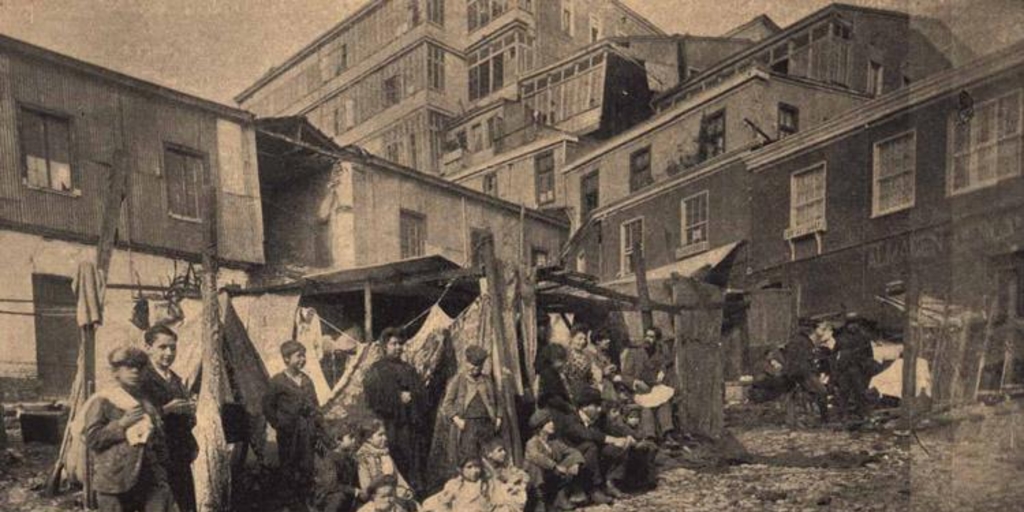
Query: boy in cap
(290, 406)
(636, 473)
(551, 465)
(124, 435)
(471, 404)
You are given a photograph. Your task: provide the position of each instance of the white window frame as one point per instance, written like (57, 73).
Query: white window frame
(876, 166)
(625, 249)
(973, 151)
(689, 249)
(794, 231)
(876, 86)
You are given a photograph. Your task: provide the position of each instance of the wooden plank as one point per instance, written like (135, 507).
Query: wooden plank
(699, 370)
(643, 293)
(368, 315)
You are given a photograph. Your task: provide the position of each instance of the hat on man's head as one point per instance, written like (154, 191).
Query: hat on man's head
(589, 396)
(130, 357)
(290, 347)
(540, 418)
(476, 355)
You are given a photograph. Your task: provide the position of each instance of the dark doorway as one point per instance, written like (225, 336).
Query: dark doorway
(56, 333)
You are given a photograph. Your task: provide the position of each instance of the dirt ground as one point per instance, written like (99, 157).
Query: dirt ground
(970, 461)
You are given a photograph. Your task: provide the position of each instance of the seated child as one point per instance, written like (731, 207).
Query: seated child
(551, 465)
(337, 476)
(468, 492)
(381, 494)
(638, 471)
(374, 461)
(508, 483)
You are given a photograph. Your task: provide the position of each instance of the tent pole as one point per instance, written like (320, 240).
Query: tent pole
(368, 317)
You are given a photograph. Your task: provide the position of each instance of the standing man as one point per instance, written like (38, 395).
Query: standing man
(291, 408)
(165, 390)
(393, 392)
(801, 368)
(125, 439)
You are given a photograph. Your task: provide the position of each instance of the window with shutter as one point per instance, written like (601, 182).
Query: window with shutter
(183, 174)
(46, 150)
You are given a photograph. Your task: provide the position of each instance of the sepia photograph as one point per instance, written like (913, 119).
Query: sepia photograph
(511, 255)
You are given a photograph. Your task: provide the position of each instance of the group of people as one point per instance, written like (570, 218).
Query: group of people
(592, 436)
(831, 363)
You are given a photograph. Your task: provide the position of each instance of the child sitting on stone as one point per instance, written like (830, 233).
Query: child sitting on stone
(374, 461)
(470, 491)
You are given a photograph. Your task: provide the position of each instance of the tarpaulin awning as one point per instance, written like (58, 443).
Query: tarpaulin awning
(685, 267)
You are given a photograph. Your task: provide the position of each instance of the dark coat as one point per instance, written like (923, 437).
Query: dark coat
(800, 357)
(181, 444)
(571, 429)
(639, 363)
(553, 393)
(117, 465)
(383, 385)
(292, 410)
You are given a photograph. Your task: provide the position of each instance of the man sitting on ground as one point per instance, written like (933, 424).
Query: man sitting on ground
(584, 432)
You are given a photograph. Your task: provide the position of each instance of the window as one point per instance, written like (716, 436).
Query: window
(499, 62)
(539, 257)
(589, 193)
(876, 78)
(894, 171)
(479, 240)
(435, 12)
(694, 211)
(595, 28)
(544, 166)
(392, 91)
(476, 137)
(413, 156)
(640, 169)
(632, 238)
(392, 151)
(435, 67)
(986, 149)
(481, 12)
(779, 59)
(491, 184)
(807, 201)
(183, 173)
(712, 135)
(46, 150)
(567, 17)
(581, 262)
(413, 229)
(789, 120)
(339, 119)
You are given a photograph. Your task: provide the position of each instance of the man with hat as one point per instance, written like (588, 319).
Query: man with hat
(584, 432)
(471, 405)
(393, 391)
(124, 435)
(290, 406)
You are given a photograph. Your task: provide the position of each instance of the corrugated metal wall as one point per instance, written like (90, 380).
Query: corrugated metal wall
(104, 116)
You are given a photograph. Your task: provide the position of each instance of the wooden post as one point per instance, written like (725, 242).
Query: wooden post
(909, 393)
(642, 292)
(496, 290)
(85, 380)
(700, 378)
(213, 468)
(368, 316)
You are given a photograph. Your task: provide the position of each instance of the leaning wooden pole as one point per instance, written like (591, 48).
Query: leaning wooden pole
(642, 291)
(213, 466)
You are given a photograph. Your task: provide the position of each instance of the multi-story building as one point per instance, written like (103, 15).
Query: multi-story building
(392, 76)
(918, 192)
(61, 121)
(335, 208)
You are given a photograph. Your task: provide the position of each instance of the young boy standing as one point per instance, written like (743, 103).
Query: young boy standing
(291, 408)
(124, 435)
(165, 390)
(471, 404)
